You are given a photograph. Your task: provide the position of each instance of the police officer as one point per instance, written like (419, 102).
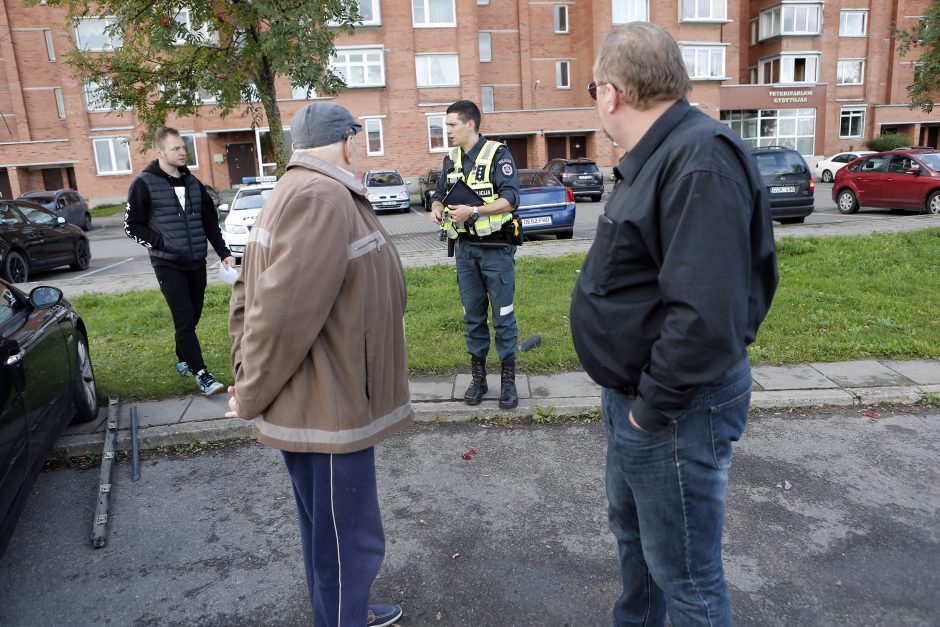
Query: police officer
(485, 238)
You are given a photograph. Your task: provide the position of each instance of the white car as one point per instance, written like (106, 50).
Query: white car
(386, 190)
(242, 213)
(826, 169)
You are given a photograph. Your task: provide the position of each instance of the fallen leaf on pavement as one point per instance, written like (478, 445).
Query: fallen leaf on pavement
(872, 413)
(469, 455)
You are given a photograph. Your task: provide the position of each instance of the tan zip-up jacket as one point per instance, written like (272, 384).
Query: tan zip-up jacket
(317, 318)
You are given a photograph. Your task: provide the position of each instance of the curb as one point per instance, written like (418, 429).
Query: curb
(220, 429)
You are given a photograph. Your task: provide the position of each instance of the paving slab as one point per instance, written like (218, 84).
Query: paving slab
(563, 385)
(895, 394)
(920, 371)
(462, 382)
(432, 388)
(791, 377)
(863, 373)
(202, 407)
(152, 413)
(772, 399)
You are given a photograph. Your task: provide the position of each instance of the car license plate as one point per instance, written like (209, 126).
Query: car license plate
(536, 221)
(586, 177)
(784, 189)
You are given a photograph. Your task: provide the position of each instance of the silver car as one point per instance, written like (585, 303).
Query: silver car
(386, 190)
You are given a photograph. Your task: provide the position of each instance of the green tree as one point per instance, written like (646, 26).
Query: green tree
(168, 57)
(924, 35)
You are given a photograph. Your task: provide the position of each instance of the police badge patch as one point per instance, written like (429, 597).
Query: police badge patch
(507, 169)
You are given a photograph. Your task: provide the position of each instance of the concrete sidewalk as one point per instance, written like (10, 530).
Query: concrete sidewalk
(844, 384)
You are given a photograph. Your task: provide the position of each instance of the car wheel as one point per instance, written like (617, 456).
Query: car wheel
(16, 267)
(792, 220)
(565, 234)
(86, 392)
(86, 225)
(826, 176)
(82, 255)
(597, 199)
(427, 202)
(847, 202)
(933, 203)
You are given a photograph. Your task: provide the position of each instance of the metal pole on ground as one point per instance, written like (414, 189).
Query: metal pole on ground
(99, 530)
(135, 452)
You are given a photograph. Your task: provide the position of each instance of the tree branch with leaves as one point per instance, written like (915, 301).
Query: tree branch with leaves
(923, 36)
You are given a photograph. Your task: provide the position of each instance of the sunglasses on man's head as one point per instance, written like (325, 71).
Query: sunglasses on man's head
(592, 88)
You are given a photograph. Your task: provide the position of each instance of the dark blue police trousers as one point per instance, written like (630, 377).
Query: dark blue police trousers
(486, 278)
(340, 530)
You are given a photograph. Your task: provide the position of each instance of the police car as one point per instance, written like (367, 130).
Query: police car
(243, 211)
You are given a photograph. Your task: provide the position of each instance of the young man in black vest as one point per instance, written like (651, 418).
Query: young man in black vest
(169, 212)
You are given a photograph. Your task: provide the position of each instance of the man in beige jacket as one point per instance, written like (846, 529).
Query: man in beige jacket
(319, 359)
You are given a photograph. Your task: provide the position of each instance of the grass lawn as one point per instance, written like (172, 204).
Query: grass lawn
(839, 298)
(106, 210)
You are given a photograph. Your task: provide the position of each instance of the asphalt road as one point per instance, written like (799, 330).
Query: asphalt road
(832, 520)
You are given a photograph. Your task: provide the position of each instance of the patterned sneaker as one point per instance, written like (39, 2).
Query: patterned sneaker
(381, 615)
(207, 383)
(183, 368)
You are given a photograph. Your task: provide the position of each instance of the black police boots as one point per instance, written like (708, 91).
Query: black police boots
(508, 399)
(477, 389)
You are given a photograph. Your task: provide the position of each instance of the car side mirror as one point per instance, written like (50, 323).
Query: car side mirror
(223, 208)
(60, 220)
(44, 296)
(914, 171)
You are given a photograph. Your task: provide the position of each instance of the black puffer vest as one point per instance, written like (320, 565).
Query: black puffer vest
(184, 238)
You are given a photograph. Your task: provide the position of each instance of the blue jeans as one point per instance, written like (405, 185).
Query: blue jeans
(486, 278)
(666, 504)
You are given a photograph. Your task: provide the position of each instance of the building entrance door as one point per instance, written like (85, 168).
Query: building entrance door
(52, 179)
(577, 146)
(929, 136)
(557, 147)
(518, 148)
(241, 162)
(5, 191)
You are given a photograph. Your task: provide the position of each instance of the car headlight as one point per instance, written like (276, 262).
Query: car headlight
(372, 197)
(234, 229)
(403, 195)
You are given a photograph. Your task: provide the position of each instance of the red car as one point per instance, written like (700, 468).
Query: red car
(898, 179)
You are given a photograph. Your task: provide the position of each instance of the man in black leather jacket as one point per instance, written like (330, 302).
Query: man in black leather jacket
(170, 212)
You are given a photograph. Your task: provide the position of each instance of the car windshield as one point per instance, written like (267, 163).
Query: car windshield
(581, 168)
(932, 161)
(384, 179)
(778, 163)
(537, 178)
(251, 199)
(36, 215)
(433, 176)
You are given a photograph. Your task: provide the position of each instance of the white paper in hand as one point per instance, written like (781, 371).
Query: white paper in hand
(228, 275)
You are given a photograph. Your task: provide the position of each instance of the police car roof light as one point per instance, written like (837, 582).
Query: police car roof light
(253, 180)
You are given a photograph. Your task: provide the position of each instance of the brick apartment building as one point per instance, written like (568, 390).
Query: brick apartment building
(818, 75)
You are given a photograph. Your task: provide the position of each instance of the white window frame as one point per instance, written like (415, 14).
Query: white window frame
(483, 2)
(773, 18)
(111, 140)
(106, 21)
(710, 50)
(187, 23)
(717, 11)
(443, 119)
(426, 22)
(376, 13)
(486, 50)
(50, 44)
(787, 63)
(563, 74)
(192, 140)
(626, 11)
(754, 31)
(844, 16)
(268, 168)
(423, 70)
(852, 113)
(840, 71)
(59, 102)
(300, 93)
(557, 11)
(373, 124)
(348, 51)
(93, 103)
(487, 99)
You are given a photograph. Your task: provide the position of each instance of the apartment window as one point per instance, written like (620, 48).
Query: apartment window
(790, 19)
(182, 17)
(369, 13)
(59, 103)
(789, 69)
(704, 9)
(851, 122)
(483, 2)
(360, 67)
(437, 70)
(704, 62)
(265, 148)
(189, 142)
(792, 128)
(90, 34)
(50, 45)
(488, 99)
(94, 99)
(437, 134)
(561, 18)
(624, 11)
(563, 74)
(486, 47)
(850, 72)
(752, 76)
(753, 32)
(374, 141)
(433, 13)
(112, 155)
(302, 93)
(853, 23)
(206, 97)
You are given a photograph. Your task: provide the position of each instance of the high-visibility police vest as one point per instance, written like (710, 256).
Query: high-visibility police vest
(481, 184)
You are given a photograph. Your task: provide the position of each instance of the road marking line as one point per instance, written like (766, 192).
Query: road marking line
(105, 268)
